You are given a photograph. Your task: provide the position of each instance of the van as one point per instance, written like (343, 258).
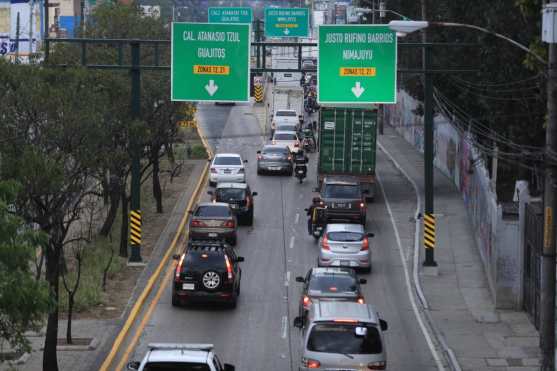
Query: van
(342, 335)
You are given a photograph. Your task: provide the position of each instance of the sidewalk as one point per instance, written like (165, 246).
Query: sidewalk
(103, 332)
(482, 338)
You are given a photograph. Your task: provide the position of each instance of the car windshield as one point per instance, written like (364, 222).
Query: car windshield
(332, 283)
(345, 339)
(227, 160)
(230, 194)
(176, 366)
(194, 258)
(286, 113)
(285, 136)
(341, 191)
(211, 211)
(345, 236)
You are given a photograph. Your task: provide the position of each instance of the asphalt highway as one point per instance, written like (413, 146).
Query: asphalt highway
(258, 335)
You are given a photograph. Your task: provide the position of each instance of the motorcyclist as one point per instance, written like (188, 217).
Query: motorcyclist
(310, 211)
(300, 161)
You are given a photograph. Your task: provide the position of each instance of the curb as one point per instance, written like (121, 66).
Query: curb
(447, 351)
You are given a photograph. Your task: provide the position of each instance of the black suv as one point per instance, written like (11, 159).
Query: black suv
(344, 199)
(207, 271)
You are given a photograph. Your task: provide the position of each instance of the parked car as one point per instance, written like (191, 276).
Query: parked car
(345, 245)
(240, 198)
(207, 272)
(288, 138)
(342, 336)
(213, 220)
(340, 284)
(227, 167)
(344, 199)
(178, 356)
(275, 158)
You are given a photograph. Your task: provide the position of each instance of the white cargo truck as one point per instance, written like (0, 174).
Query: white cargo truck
(286, 79)
(288, 105)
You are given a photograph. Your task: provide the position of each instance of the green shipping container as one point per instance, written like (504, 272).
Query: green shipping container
(347, 141)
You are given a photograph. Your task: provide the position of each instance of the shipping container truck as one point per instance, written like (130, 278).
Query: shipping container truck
(347, 145)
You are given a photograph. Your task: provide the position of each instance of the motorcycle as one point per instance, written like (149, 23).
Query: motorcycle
(318, 222)
(300, 172)
(309, 145)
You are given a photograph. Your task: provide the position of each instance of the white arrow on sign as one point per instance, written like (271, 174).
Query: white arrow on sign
(357, 90)
(286, 32)
(212, 88)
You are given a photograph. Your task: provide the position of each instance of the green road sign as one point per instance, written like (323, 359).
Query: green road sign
(286, 22)
(357, 64)
(230, 15)
(210, 62)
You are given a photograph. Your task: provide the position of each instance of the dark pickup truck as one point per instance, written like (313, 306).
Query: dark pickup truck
(344, 199)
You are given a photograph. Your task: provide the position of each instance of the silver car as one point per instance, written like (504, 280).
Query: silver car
(345, 245)
(227, 167)
(342, 336)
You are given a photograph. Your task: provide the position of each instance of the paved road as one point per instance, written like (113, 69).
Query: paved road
(258, 335)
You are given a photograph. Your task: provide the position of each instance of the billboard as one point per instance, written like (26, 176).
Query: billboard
(29, 30)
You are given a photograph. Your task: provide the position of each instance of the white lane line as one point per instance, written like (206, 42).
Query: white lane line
(297, 218)
(427, 336)
(292, 242)
(284, 327)
(287, 279)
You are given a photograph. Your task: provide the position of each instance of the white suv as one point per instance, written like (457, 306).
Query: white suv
(167, 356)
(227, 168)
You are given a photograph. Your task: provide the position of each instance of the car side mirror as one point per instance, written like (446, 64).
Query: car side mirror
(306, 209)
(383, 324)
(228, 367)
(363, 281)
(133, 365)
(258, 152)
(176, 256)
(300, 279)
(209, 159)
(316, 190)
(245, 161)
(239, 259)
(298, 322)
(254, 193)
(190, 212)
(210, 193)
(371, 234)
(365, 191)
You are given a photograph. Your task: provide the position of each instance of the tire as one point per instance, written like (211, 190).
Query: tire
(212, 184)
(291, 172)
(259, 172)
(233, 241)
(249, 218)
(175, 301)
(234, 303)
(211, 280)
(370, 199)
(367, 270)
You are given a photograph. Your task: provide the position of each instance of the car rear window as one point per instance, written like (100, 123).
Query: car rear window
(208, 259)
(286, 113)
(332, 283)
(227, 160)
(285, 136)
(275, 150)
(286, 127)
(171, 366)
(341, 191)
(230, 194)
(210, 211)
(345, 339)
(345, 236)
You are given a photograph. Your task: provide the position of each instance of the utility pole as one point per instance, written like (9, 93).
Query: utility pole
(381, 108)
(17, 39)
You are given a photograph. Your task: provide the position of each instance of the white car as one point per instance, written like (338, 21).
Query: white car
(227, 167)
(286, 116)
(174, 356)
(288, 138)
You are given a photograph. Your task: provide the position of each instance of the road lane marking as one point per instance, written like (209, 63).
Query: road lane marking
(297, 218)
(425, 332)
(284, 327)
(292, 242)
(287, 279)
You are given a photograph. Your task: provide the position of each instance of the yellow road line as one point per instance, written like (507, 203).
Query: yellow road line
(141, 300)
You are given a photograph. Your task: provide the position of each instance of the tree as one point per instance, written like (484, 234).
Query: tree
(23, 300)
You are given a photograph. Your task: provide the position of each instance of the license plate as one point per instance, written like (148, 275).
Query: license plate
(274, 168)
(188, 286)
(341, 205)
(227, 171)
(345, 263)
(300, 171)
(234, 206)
(212, 234)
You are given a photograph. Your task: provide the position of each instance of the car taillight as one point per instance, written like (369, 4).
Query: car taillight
(248, 202)
(289, 158)
(325, 243)
(365, 244)
(179, 268)
(361, 300)
(297, 143)
(229, 224)
(213, 170)
(310, 363)
(228, 268)
(259, 157)
(197, 223)
(306, 302)
(241, 171)
(362, 205)
(377, 365)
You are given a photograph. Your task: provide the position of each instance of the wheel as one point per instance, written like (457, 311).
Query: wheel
(301, 179)
(249, 218)
(211, 280)
(367, 270)
(370, 199)
(175, 301)
(234, 303)
(212, 184)
(238, 291)
(232, 241)
(291, 172)
(259, 172)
